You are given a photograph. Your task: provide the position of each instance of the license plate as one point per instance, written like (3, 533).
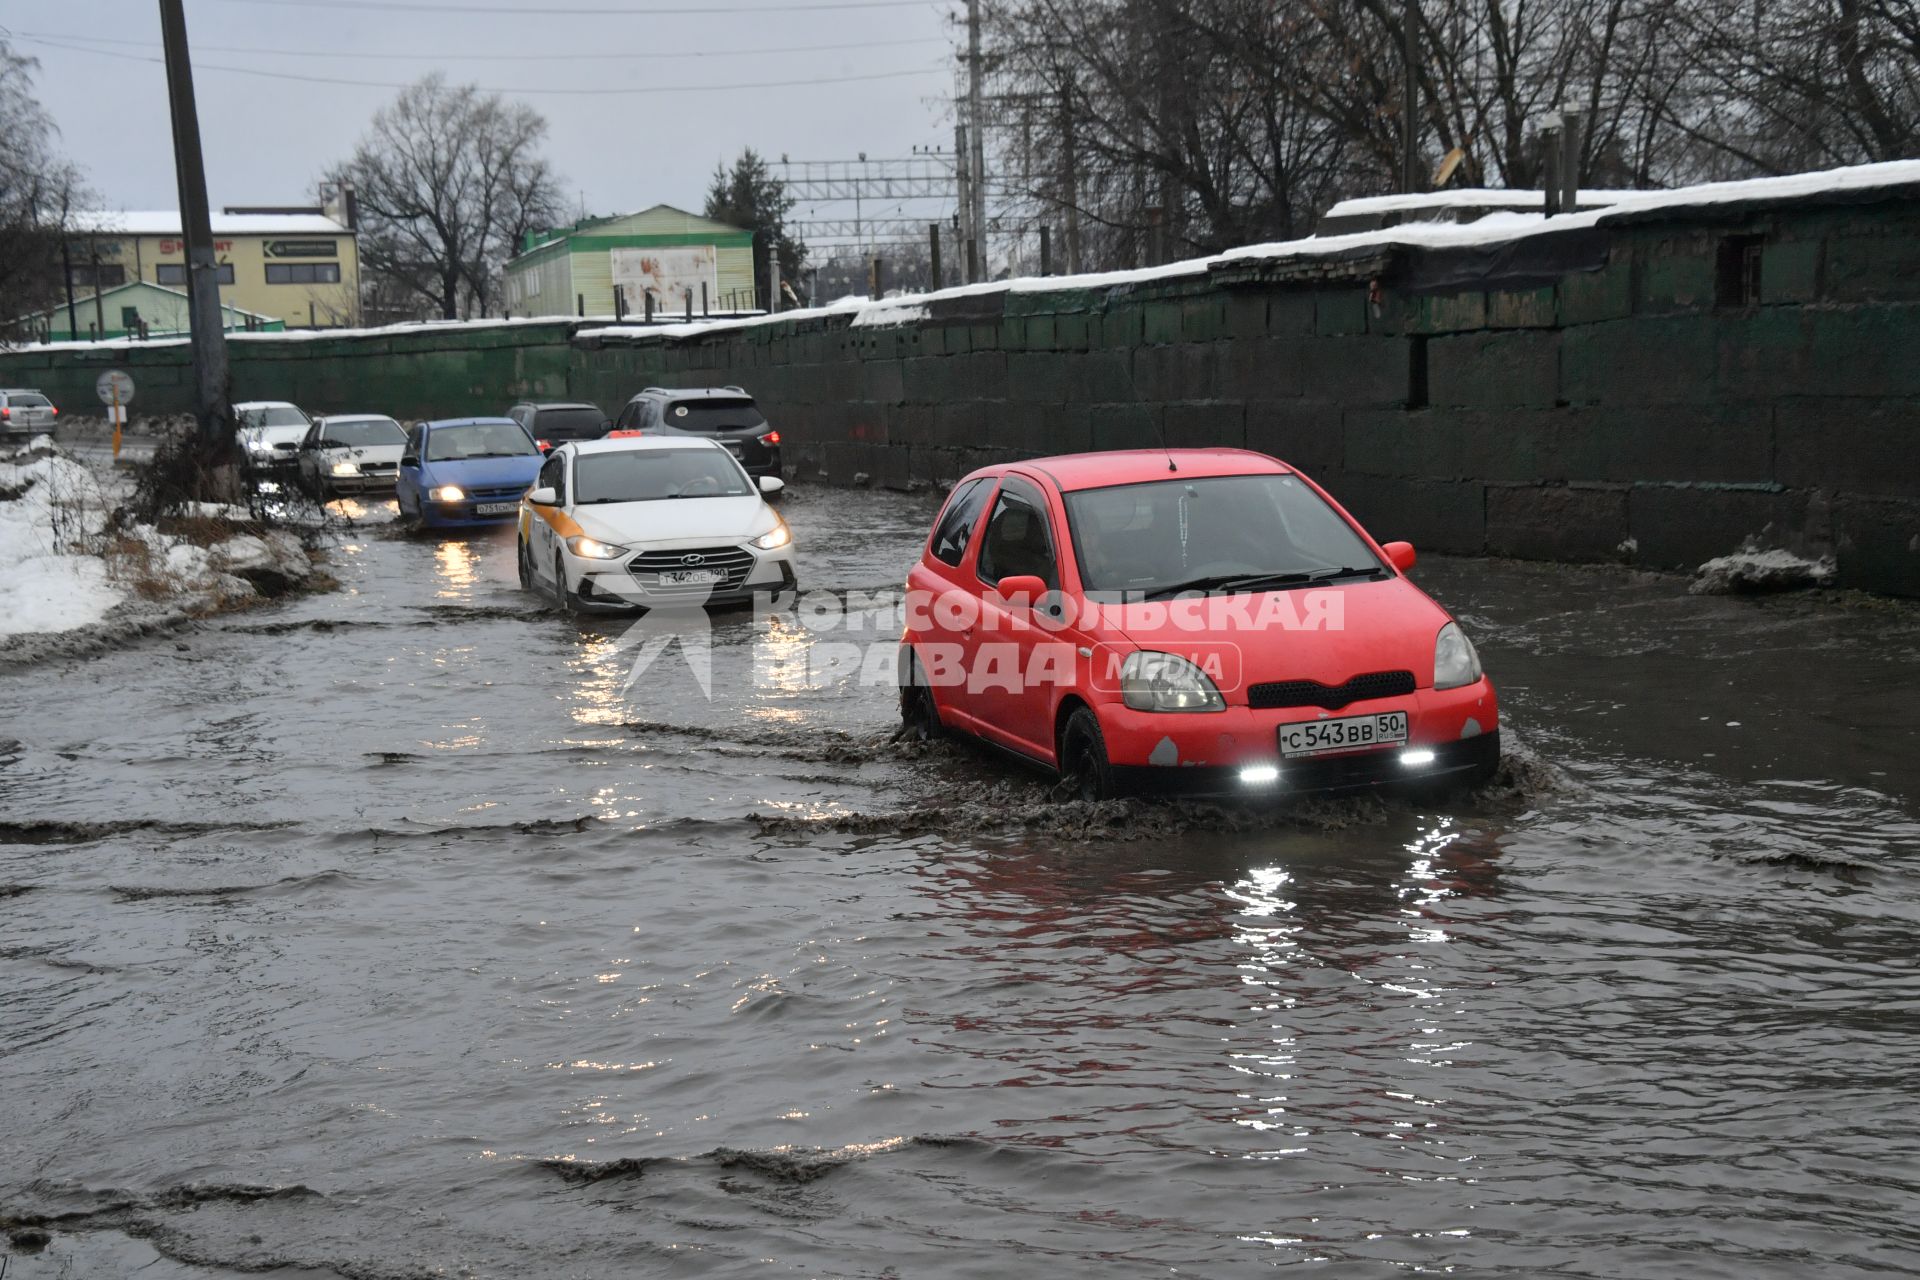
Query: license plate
(732, 447)
(495, 508)
(691, 577)
(1312, 737)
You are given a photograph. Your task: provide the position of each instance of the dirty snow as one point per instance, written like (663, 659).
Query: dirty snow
(47, 583)
(1752, 570)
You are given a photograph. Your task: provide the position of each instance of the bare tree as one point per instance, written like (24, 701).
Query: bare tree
(39, 190)
(449, 180)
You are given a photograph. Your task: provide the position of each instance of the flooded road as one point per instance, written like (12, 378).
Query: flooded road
(391, 933)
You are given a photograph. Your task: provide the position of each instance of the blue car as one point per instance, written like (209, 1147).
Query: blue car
(466, 471)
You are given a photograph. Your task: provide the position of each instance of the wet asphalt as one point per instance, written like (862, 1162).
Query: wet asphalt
(401, 931)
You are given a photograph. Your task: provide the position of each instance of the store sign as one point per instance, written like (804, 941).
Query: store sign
(180, 246)
(302, 249)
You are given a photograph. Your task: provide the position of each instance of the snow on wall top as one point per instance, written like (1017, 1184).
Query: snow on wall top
(1466, 198)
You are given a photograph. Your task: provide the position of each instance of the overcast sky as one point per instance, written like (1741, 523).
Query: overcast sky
(267, 136)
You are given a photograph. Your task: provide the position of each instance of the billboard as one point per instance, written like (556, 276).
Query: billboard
(667, 274)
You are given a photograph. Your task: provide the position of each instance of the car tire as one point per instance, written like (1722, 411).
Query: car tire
(919, 715)
(520, 563)
(1083, 758)
(569, 602)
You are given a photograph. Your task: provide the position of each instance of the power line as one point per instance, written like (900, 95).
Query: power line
(487, 57)
(628, 11)
(515, 90)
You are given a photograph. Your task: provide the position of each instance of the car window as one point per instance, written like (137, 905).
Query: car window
(954, 530)
(1017, 542)
(569, 424)
(273, 416)
(28, 402)
(714, 413)
(629, 417)
(414, 442)
(554, 476)
(478, 440)
(646, 475)
(1165, 533)
(367, 431)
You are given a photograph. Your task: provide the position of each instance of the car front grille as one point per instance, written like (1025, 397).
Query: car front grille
(735, 562)
(376, 468)
(510, 494)
(1311, 693)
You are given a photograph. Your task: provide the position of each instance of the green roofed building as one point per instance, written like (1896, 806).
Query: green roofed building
(138, 310)
(662, 251)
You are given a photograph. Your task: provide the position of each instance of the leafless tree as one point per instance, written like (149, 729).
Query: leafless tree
(449, 179)
(39, 190)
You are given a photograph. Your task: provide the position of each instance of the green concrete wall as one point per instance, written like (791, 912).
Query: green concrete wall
(1625, 410)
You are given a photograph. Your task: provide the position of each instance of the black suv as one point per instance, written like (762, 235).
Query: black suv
(725, 414)
(552, 422)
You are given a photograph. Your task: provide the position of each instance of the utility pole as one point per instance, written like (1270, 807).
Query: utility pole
(209, 338)
(976, 117)
(1070, 178)
(1410, 105)
(964, 173)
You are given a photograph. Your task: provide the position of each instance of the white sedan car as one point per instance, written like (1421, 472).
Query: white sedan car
(652, 522)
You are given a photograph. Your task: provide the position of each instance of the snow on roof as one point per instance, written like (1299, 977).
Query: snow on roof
(166, 222)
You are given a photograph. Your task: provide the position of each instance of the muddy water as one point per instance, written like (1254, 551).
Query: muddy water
(393, 934)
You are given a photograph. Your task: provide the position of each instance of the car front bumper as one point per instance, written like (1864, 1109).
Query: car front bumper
(1207, 752)
(380, 484)
(611, 588)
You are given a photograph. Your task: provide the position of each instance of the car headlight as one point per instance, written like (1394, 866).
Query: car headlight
(1152, 681)
(774, 538)
(593, 549)
(346, 468)
(448, 493)
(259, 448)
(1454, 661)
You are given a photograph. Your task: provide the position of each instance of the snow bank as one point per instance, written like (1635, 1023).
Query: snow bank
(52, 511)
(1751, 571)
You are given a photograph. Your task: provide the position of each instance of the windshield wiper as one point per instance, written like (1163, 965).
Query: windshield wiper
(1234, 584)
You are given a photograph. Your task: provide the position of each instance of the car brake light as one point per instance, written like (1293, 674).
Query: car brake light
(5, 414)
(772, 437)
(545, 446)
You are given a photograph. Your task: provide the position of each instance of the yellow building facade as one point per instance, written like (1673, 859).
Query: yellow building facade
(300, 267)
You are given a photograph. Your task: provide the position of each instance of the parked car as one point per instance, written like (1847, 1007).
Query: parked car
(651, 521)
(269, 433)
(25, 412)
(351, 453)
(1199, 621)
(727, 415)
(555, 422)
(465, 471)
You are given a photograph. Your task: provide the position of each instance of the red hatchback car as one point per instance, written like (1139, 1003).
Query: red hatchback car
(1198, 621)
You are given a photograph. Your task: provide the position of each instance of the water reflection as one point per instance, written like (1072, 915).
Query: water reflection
(458, 568)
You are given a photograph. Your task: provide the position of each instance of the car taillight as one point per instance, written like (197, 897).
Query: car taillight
(772, 437)
(54, 409)
(545, 446)
(5, 414)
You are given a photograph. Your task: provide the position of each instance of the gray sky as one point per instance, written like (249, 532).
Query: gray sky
(268, 136)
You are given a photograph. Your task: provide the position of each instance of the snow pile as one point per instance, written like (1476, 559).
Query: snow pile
(1750, 571)
(71, 579)
(53, 512)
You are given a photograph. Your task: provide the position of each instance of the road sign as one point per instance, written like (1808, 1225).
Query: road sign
(115, 387)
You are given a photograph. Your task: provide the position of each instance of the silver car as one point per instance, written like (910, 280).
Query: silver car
(25, 412)
(351, 453)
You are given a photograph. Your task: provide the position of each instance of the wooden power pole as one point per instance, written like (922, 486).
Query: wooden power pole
(204, 317)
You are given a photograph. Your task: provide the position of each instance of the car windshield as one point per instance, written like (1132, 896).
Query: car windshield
(273, 415)
(570, 424)
(365, 431)
(1233, 533)
(644, 475)
(714, 414)
(478, 440)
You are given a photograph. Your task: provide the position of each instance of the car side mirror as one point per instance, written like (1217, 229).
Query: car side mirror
(1399, 555)
(772, 484)
(408, 460)
(1022, 586)
(544, 496)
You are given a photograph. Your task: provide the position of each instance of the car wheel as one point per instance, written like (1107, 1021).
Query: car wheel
(919, 717)
(569, 602)
(520, 562)
(1083, 758)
